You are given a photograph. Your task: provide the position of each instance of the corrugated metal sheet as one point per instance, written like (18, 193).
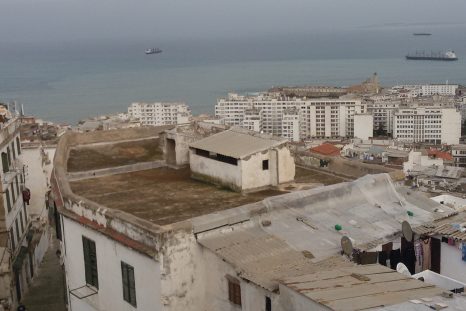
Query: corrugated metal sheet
(237, 143)
(360, 287)
(263, 258)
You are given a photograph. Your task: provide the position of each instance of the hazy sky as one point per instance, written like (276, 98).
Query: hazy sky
(69, 20)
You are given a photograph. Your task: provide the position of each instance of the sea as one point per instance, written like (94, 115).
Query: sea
(65, 82)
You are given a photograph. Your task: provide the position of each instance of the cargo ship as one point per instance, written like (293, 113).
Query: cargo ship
(422, 34)
(446, 56)
(153, 51)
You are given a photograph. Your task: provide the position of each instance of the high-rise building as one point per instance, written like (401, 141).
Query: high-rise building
(436, 125)
(325, 117)
(157, 114)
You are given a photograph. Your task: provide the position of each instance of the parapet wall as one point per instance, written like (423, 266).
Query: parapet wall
(139, 234)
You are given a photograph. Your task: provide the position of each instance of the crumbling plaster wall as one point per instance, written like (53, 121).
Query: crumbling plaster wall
(216, 172)
(194, 278)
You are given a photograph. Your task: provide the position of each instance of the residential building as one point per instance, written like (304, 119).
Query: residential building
(160, 113)
(383, 113)
(325, 117)
(155, 239)
(252, 120)
(429, 89)
(242, 160)
(435, 125)
(459, 155)
(363, 126)
(17, 259)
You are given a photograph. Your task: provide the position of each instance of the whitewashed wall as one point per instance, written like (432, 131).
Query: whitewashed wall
(109, 257)
(451, 264)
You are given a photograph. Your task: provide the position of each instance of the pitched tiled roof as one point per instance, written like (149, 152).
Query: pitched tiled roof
(326, 149)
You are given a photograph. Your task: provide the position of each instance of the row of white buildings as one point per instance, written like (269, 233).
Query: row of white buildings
(300, 118)
(160, 113)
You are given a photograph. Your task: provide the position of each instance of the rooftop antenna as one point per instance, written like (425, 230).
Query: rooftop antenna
(407, 231)
(347, 246)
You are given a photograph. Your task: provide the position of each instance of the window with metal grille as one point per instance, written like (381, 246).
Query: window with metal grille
(234, 291)
(129, 284)
(90, 262)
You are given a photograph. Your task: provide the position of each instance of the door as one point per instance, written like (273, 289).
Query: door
(18, 286)
(435, 254)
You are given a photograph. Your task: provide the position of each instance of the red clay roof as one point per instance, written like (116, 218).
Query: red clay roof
(440, 154)
(326, 149)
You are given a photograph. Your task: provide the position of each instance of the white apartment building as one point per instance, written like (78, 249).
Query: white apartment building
(318, 117)
(428, 89)
(383, 113)
(291, 124)
(160, 113)
(252, 120)
(459, 155)
(436, 125)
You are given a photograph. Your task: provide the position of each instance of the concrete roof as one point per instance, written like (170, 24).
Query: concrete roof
(359, 287)
(456, 303)
(238, 143)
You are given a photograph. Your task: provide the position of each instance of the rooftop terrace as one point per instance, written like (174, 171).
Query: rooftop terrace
(163, 195)
(86, 158)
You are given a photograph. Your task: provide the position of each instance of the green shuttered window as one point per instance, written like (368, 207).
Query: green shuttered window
(129, 286)
(90, 262)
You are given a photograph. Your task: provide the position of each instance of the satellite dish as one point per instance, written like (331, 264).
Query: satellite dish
(401, 268)
(347, 245)
(407, 231)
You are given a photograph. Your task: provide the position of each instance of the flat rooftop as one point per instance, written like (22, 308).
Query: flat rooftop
(98, 156)
(163, 195)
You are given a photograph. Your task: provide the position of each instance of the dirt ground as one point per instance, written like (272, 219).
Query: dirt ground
(163, 195)
(97, 157)
(314, 176)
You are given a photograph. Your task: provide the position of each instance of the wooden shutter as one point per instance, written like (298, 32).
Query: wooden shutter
(90, 262)
(124, 276)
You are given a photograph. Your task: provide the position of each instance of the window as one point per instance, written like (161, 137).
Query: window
(13, 149)
(8, 202)
(90, 262)
(17, 185)
(5, 164)
(18, 145)
(12, 239)
(21, 220)
(265, 165)
(234, 291)
(268, 304)
(18, 234)
(129, 286)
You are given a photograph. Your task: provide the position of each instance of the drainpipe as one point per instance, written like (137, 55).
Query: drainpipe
(278, 171)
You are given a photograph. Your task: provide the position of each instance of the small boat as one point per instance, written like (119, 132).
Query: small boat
(422, 34)
(153, 51)
(445, 56)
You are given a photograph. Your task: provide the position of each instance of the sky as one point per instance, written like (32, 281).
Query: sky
(88, 20)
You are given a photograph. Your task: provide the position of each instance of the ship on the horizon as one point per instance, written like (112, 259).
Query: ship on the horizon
(153, 51)
(422, 34)
(447, 56)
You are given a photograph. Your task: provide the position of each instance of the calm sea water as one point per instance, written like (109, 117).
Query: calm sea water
(69, 81)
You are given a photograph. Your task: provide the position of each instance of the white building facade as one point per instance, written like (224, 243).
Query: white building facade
(459, 155)
(429, 89)
(156, 114)
(17, 258)
(318, 117)
(436, 125)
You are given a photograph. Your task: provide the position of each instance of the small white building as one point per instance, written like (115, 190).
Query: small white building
(363, 126)
(160, 113)
(418, 162)
(242, 160)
